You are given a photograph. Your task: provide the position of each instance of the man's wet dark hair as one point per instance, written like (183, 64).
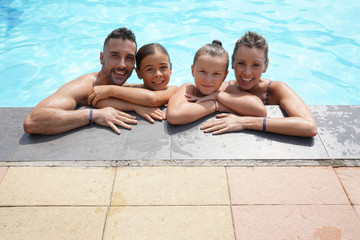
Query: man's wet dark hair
(123, 33)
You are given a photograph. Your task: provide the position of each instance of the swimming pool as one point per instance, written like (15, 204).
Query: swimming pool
(314, 45)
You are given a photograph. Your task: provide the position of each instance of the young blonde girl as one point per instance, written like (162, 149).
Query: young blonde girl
(209, 93)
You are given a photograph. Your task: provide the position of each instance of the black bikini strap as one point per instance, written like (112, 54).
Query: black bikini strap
(267, 93)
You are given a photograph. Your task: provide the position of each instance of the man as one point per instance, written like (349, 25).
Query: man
(58, 113)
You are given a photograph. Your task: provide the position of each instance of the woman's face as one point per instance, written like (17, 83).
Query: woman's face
(155, 71)
(249, 65)
(209, 73)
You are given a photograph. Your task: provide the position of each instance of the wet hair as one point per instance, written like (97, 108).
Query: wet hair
(250, 40)
(150, 49)
(123, 33)
(214, 49)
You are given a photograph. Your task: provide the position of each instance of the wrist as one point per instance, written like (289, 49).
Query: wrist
(91, 120)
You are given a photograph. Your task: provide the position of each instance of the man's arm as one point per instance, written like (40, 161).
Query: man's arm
(57, 114)
(134, 95)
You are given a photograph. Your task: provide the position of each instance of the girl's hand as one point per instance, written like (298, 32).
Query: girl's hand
(150, 113)
(97, 93)
(192, 98)
(225, 122)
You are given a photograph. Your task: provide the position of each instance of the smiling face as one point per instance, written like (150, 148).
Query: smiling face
(249, 64)
(118, 60)
(209, 73)
(155, 71)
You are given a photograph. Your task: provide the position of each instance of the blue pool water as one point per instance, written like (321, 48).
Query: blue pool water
(314, 45)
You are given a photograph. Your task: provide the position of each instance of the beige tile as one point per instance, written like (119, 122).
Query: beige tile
(169, 223)
(2, 173)
(285, 185)
(170, 186)
(320, 222)
(56, 186)
(357, 210)
(350, 178)
(36, 223)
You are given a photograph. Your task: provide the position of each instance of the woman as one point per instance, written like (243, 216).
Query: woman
(249, 61)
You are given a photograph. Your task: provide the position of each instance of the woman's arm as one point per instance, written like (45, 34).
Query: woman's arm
(242, 102)
(134, 95)
(180, 111)
(300, 121)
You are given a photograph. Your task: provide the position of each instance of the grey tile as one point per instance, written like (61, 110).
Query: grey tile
(144, 141)
(11, 130)
(339, 129)
(189, 142)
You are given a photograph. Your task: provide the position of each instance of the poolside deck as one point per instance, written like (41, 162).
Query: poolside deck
(159, 181)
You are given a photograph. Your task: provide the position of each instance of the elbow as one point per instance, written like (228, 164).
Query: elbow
(29, 126)
(311, 130)
(174, 118)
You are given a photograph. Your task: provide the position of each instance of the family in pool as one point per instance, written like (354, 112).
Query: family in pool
(240, 102)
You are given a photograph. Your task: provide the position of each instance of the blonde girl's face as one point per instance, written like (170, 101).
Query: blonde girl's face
(249, 65)
(155, 71)
(209, 73)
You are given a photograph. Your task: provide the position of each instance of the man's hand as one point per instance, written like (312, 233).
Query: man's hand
(110, 117)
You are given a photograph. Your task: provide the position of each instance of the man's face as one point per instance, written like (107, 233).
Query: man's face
(118, 60)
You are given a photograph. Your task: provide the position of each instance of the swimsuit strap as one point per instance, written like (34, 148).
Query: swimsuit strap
(267, 93)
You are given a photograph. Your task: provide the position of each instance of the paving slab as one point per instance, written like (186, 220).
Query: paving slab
(169, 223)
(336, 222)
(170, 186)
(350, 179)
(44, 186)
(285, 185)
(2, 172)
(339, 128)
(37, 223)
(11, 130)
(190, 142)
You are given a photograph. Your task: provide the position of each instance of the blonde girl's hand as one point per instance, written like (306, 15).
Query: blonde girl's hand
(97, 93)
(224, 122)
(150, 113)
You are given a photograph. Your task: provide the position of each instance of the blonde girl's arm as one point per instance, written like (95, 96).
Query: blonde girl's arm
(180, 111)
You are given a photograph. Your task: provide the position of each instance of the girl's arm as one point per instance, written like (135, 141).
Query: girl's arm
(180, 111)
(134, 95)
(146, 112)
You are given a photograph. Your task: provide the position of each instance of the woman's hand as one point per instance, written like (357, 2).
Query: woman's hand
(150, 113)
(225, 122)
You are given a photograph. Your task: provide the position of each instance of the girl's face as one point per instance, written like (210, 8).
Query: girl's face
(155, 71)
(209, 73)
(249, 64)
